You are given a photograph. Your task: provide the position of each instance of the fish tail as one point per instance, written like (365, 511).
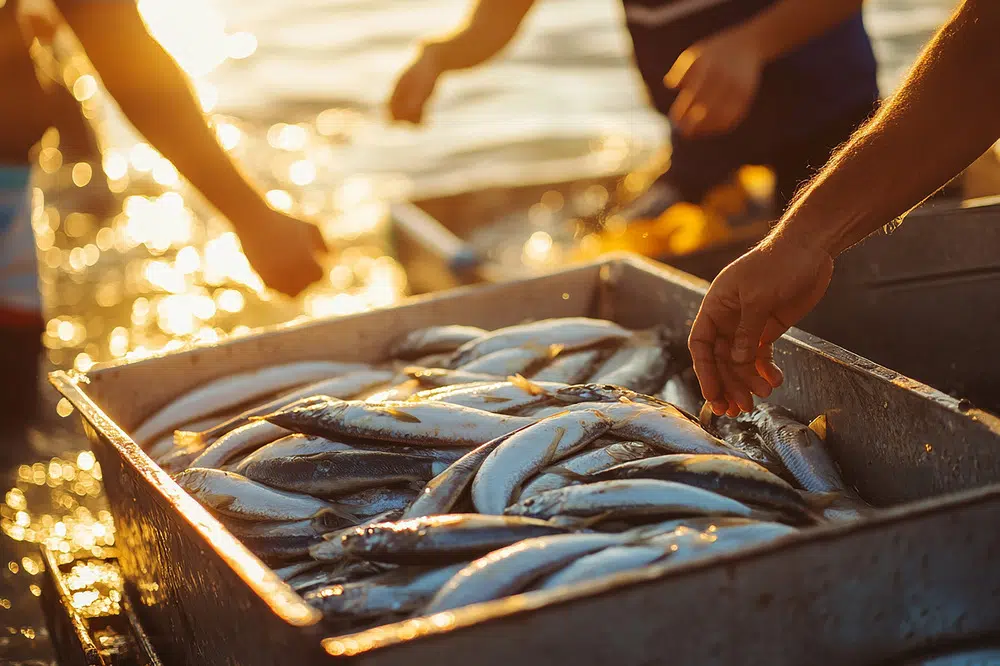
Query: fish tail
(568, 474)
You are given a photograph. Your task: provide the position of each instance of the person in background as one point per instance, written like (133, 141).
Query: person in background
(944, 116)
(766, 82)
(155, 95)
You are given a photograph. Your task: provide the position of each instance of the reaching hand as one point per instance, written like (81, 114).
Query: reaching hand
(414, 87)
(716, 81)
(751, 303)
(284, 251)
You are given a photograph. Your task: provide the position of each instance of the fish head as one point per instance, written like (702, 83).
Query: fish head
(542, 504)
(589, 393)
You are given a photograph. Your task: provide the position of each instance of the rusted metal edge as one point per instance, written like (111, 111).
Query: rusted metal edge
(397, 633)
(139, 634)
(288, 605)
(81, 632)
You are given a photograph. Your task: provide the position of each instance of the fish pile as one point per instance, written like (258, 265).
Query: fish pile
(473, 465)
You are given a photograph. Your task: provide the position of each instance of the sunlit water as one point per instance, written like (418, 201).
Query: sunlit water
(132, 261)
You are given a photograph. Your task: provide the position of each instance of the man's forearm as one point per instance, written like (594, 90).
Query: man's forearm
(945, 115)
(157, 98)
(488, 29)
(788, 24)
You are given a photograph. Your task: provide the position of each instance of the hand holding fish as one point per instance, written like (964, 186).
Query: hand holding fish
(750, 304)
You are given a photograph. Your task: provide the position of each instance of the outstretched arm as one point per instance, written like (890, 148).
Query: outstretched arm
(946, 114)
(489, 27)
(157, 98)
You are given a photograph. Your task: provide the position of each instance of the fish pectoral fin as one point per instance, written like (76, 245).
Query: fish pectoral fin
(818, 426)
(593, 520)
(527, 385)
(567, 474)
(550, 450)
(495, 399)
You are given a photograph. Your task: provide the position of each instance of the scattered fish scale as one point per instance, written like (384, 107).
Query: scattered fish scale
(423, 423)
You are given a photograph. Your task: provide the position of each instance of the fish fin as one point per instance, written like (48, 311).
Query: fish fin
(189, 441)
(818, 426)
(705, 414)
(567, 474)
(593, 520)
(494, 399)
(550, 450)
(400, 415)
(527, 385)
(554, 351)
(338, 511)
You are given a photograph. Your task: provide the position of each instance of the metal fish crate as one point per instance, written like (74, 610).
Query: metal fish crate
(920, 574)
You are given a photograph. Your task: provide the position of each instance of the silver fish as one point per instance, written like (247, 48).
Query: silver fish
(165, 443)
(593, 392)
(343, 387)
(332, 550)
(800, 449)
(437, 539)
(236, 390)
(690, 523)
(529, 451)
(292, 570)
(401, 390)
(665, 429)
(570, 368)
(434, 340)
(511, 361)
(227, 448)
(443, 492)
(570, 332)
(630, 498)
(726, 540)
(307, 527)
(397, 591)
(739, 479)
(505, 397)
(292, 445)
(336, 573)
(683, 391)
(438, 377)
(374, 501)
(569, 471)
(234, 495)
(640, 367)
(746, 437)
(247, 439)
(424, 423)
(512, 569)
(341, 472)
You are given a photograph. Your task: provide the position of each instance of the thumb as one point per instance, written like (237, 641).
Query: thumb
(748, 333)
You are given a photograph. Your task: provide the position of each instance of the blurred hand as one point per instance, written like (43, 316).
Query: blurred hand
(284, 251)
(414, 87)
(716, 81)
(751, 303)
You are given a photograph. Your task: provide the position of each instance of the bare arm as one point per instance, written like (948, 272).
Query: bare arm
(945, 115)
(489, 27)
(157, 98)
